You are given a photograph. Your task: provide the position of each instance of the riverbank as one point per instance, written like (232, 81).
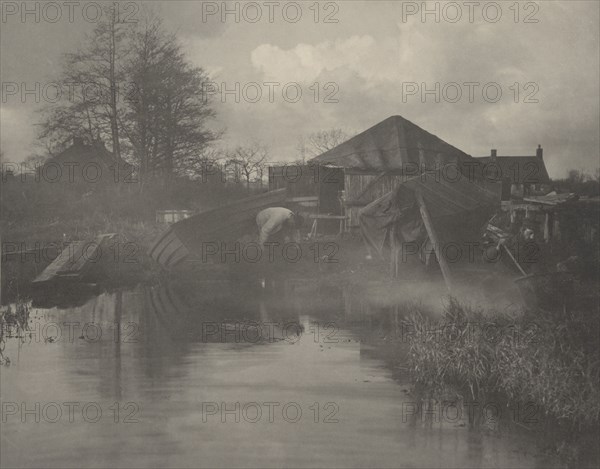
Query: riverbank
(29, 247)
(544, 363)
(57, 232)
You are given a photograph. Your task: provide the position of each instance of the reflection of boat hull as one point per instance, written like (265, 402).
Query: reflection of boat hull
(170, 315)
(169, 251)
(200, 311)
(186, 239)
(181, 305)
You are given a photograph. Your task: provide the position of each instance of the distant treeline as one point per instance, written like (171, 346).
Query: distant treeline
(28, 199)
(579, 182)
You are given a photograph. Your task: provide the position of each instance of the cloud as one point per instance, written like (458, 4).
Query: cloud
(369, 54)
(553, 63)
(305, 62)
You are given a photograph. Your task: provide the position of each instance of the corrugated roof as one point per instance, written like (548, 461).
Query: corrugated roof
(394, 144)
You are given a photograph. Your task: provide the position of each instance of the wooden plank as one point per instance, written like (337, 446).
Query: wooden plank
(356, 203)
(89, 255)
(312, 198)
(394, 253)
(322, 216)
(370, 184)
(58, 264)
(77, 259)
(428, 222)
(513, 259)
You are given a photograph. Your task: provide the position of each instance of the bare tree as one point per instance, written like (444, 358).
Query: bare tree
(576, 176)
(249, 160)
(149, 99)
(149, 50)
(205, 165)
(319, 142)
(96, 79)
(166, 122)
(580, 182)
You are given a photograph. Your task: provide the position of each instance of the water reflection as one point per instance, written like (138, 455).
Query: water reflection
(169, 371)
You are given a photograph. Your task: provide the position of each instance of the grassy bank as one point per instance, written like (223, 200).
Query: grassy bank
(30, 245)
(85, 227)
(14, 322)
(546, 361)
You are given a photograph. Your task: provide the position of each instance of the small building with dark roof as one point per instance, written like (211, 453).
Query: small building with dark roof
(521, 176)
(89, 163)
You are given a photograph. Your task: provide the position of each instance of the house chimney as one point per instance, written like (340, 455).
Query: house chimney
(493, 155)
(539, 152)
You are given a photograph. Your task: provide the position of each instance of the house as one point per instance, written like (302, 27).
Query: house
(521, 176)
(86, 163)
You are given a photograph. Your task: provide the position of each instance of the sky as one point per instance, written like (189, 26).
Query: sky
(501, 75)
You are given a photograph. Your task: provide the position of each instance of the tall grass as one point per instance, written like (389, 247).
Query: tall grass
(550, 360)
(14, 322)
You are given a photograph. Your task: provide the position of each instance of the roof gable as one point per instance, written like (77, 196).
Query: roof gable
(519, 169)
(80, 152)
(394, 144)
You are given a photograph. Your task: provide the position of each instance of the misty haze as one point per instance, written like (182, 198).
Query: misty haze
(299, 234)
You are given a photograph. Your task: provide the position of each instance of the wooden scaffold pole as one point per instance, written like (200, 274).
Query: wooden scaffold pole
(429, 226)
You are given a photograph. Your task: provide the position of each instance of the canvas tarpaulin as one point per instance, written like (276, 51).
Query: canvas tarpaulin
(459, 208)
(397, 208)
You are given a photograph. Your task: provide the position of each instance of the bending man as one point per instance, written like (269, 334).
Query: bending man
(277, 221)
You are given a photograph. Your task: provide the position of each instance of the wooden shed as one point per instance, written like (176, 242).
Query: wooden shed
(378, 160)
(315, 191)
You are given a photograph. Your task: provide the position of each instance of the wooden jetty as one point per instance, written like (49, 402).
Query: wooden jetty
(184, 239)
(77, 260)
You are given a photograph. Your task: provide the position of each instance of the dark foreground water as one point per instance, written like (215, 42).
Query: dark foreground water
(219, 374)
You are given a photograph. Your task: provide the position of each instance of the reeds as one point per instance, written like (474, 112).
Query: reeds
(14, 322)
(548, 359)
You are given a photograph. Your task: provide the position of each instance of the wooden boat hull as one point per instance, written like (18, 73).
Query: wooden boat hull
(185, 240)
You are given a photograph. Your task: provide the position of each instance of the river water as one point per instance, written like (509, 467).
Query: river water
(227, 374)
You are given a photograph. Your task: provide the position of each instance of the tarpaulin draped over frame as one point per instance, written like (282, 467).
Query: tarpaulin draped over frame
(459, 207)
(397, 208)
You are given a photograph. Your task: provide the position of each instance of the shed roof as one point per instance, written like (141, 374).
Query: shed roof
(392, 145)
(79, 152)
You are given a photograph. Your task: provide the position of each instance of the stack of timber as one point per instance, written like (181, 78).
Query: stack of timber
(185, 240)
